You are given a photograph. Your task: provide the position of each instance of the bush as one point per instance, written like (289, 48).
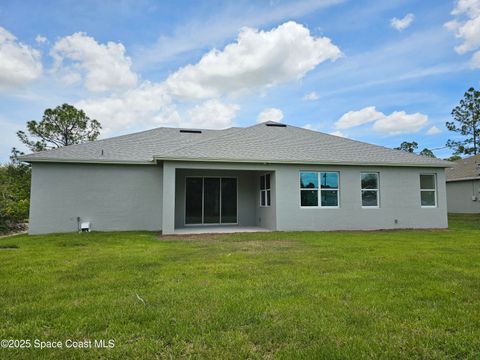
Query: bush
(14, 195)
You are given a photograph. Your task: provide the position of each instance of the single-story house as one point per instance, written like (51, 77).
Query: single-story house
(463, 186)
(267, 176)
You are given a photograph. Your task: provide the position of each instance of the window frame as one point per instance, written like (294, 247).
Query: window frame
(265, 190)
(377, 190)
(429, 190)
(319, 189)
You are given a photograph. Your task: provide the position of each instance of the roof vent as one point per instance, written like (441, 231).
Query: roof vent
(191, 131)
(275, 125)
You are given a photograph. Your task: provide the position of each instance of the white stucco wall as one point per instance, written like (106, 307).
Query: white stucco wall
(146, 197)
(111, 197)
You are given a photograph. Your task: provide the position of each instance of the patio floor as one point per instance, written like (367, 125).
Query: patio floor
(218, 230)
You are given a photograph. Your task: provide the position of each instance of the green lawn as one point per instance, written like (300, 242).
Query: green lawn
(385, 294)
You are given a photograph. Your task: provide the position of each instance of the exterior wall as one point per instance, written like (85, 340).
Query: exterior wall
(399, 199)
(129, 197)
(111, 197)
(459, 196)
(246, 190)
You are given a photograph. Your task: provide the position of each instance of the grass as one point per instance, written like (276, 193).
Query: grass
(385, 294)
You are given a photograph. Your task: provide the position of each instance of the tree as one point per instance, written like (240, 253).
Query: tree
(408, 146)
(411, 147)
(14, 194)
(466, 122)
(427, 152)
(454, 158)
(65, 125)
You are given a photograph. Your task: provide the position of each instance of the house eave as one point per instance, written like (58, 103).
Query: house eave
(326, 162)
(84, 161)
(464, 179)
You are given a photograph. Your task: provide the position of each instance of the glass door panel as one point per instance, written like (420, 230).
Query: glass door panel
(211, 201)
(193, 200)
(229, 200)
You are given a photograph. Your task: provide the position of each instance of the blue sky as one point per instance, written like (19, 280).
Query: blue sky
(341, 67)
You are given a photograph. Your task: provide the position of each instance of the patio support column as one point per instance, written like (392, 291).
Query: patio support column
(168, 208)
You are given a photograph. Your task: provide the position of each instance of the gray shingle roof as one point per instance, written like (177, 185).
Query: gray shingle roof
(465, 169)
(258, 143)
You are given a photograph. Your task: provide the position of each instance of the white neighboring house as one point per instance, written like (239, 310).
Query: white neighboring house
(463, 186)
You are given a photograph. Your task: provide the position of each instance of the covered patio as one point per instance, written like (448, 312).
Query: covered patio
(216, 199)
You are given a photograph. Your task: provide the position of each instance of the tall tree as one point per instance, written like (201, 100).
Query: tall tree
(411, 147)
(408, 146)
(466, 122)
(427, 152)
(65, 125)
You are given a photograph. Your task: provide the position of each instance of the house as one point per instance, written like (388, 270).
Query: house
(267, 176)
(463, 186)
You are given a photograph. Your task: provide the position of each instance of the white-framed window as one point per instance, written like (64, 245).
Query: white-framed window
(265, 195)
(370, 186)
(319, 189)
(428, 190)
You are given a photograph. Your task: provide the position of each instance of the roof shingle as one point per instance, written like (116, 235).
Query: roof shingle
(464, 169)
(258, 143)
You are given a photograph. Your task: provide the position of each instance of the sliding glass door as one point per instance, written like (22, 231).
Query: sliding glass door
(210, 200)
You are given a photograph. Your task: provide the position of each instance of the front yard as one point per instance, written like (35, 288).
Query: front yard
(386, 294)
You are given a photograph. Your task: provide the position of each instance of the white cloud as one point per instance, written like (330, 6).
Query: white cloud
(312, 96)
(466, 26)
(338, 133)
(398, 122)
(212, 114)
(103, 66)
(270, 114)
(148, 104)
(433, 130)
(256, 60)
(41, 39)
(19, 63)
(311, 127)
(402, 24)
(360, 117)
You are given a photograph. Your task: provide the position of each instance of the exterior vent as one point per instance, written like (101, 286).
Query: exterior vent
(191, 131)
(276, 125)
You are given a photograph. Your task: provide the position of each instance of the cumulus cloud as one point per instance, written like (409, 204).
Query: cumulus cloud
(360, 117)
(433, 130)
(41, 39)
(102, 66)
(148, 104)
(466, 26)
(312, 96)
(398, 122)
(212, 114)
(19, 63)
(256, 60)
(270, 114)
(338, 133)
(402, 24)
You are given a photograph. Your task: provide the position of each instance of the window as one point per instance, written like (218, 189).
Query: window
(428, 185)
(265, 196)
(319, 189)
(369, 184)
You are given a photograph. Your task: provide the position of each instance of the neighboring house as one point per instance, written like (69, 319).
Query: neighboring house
(463, 186)
(270, 175)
